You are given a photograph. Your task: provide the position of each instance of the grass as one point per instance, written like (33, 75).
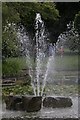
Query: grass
(61, 89)
(21, 60)
(17, 90)
(67, 62)
(50, 89)
(11, 67)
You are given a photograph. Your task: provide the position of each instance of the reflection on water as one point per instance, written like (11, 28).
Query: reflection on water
(45, 112)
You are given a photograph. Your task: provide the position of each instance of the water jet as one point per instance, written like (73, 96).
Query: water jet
(43, 58)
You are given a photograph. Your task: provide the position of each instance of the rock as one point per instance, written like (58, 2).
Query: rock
(13, 101)
(19, 106)
(49, 102)
(57, 102)
(63, 102)
(25, 103)
(32, 104)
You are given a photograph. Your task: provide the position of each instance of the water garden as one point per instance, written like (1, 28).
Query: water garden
(39, 63)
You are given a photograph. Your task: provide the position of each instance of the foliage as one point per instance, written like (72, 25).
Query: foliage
(11, 67)
(72, 38)
(25, 12)
(69, 62)
(10, 43)
(66, 63)
(67, 11)
(28, 12)
(77, 22)
(17, 90)
(72, 41)
(9, 14)
(16, 13)
(22, 13)
(62, 89)
(77, 27)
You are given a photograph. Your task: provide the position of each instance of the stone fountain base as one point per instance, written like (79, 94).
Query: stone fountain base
(23, 103)
(34, 103)
(57, 102)
(46, 113)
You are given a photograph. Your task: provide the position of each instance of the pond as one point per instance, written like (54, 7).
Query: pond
(44, 113)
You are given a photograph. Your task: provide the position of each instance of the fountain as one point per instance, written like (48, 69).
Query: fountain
(42, 53)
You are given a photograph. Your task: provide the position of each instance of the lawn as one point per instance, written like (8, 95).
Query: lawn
(69, 90)
(67, 66)
(67, 62)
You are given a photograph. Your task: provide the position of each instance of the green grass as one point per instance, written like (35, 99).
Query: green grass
(20, 60)
(14, 65)
(61, 89)
(49, 90)
(67, 62)
(11, 67)
(17, 90)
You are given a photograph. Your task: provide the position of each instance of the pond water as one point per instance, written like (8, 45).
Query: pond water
(71, 112)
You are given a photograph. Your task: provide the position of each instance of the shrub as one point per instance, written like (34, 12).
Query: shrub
(11, 67)
(17, 90)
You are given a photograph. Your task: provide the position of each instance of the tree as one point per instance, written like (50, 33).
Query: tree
(72, 38)
(67, 11)
(22, 13)
(28, 12)
(77, 22)
(9, 15)
(77, 27)
(10, 43)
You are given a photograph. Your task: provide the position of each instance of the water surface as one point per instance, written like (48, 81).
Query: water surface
(71, 112)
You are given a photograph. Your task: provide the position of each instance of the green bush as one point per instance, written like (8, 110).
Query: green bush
(17, 90)
(11, 67)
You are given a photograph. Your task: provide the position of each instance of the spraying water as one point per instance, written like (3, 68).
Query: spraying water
(44, 55)
(41, 52)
